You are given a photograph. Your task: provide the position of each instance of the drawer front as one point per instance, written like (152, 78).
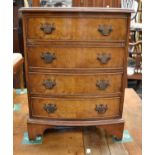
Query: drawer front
(74, 84)
(77, 29)
(75, 57)
(75, 108)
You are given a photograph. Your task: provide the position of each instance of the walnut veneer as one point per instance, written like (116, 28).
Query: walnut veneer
(76, 61)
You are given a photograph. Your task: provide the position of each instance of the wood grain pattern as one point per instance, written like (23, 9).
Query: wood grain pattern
(74, 84)
(78, 28)
(75, 108)
(75, 57)
(133, 101)
(35, 130)
(75, 141)
(118, 132)
(116, 148)
(95, 142)
(78, 123)
(95, 10)
(35, 3)
(81, 33)
(98, 142)
(112, 126)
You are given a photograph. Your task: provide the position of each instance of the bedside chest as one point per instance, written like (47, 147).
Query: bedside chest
(76, 60)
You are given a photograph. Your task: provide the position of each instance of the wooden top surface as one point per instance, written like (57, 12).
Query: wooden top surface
(74, 9)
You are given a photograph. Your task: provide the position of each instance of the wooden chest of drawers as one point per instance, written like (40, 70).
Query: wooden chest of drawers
(76, 67)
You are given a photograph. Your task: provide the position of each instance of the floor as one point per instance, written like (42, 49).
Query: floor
(81, 141)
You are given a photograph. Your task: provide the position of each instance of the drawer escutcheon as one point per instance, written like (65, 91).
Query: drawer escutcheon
(50, 108)
(49, 84)
(101, 108)
(47, 28)
(104, 58)
(48, 57)
(102, 84)
(105, 30)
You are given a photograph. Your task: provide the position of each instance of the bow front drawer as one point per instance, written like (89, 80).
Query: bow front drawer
(77, 28)
(75, 108)
(48, 57)
(75, 84)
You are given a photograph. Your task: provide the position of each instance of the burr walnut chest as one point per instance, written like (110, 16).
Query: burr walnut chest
(76, 60)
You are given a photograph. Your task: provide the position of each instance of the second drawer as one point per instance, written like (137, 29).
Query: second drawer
(75, 84)
(75, 57)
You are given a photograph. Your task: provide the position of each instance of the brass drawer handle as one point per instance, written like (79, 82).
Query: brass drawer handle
(47, 28)
(49, 84)
(105, 30)
(101, 108)
(48, 57)
(104, 58)
(50, 108)
(102, 84)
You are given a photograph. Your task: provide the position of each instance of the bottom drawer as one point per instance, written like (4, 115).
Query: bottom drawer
(86, 108)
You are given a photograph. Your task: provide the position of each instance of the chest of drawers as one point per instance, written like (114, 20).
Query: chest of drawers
(75, 62)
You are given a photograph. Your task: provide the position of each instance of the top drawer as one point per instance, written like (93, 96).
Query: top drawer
(82, 28)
